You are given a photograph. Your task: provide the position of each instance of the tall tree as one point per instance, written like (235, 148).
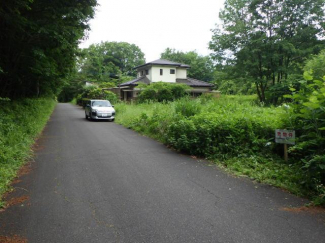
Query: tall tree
(268, 40)
(201, 66)
(38, 42)
(316, 66)
(109, 59)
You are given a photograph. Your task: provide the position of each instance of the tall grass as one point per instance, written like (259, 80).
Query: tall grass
(20, 124)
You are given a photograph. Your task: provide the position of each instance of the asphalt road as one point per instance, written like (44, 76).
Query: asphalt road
(100, 182)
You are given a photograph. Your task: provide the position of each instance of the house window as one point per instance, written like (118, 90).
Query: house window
(141, 73)
(161, 72)
(172, 71)
(147, 72)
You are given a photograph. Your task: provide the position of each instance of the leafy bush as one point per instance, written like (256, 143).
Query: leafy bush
(162, 92)
(95, 93)
(188, 108)
(207, 126)
(211, 134)
(109, 95)
(307, 117)
(91, 92)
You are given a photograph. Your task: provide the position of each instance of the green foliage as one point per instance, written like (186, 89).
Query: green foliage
(267, 41)
(71, 88)
(161, 91)
(92, 92)
(109, 95)
(230, 84)
(307, 116)
(208, 134)
(98, 93)
(20, 124)
(268, 170)
(201, 66)
(39, 44)
(101, 62)
(316, 66)
(106, 65)
(233, 131)
(187, 107)
(95, 93)
(107, 85)
(210, 126)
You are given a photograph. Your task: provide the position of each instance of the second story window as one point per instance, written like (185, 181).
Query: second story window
(141, 73)
(172, 71)
(161, 72)
(147, 72)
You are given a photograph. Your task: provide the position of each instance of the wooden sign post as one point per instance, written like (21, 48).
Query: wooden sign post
(286, 137)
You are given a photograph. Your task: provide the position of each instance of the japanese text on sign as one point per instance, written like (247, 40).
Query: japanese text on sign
(285, 136)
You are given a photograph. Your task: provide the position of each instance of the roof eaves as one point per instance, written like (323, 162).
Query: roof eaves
(163, 62)
(134, 81)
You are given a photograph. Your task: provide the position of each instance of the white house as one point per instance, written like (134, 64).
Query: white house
(162, 71)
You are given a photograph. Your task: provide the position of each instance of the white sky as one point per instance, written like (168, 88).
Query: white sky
(155, 25)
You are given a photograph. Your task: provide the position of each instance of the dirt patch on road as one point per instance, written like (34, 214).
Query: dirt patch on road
(24, 170)
(16, 181)
(16, 197)
(16, 200)
(37, 147)
(304, 209)
(12, 239)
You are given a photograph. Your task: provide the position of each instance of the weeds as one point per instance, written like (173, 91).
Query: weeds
(20, 123)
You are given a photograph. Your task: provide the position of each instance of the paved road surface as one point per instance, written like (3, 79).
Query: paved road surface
(100, 182)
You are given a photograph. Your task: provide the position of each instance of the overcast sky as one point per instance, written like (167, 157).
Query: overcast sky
(155, 25)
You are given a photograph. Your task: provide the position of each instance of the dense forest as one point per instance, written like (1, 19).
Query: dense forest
(39, 43)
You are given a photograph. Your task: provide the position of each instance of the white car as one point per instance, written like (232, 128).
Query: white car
(99, 109)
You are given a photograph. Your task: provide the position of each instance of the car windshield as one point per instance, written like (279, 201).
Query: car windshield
(101, 103)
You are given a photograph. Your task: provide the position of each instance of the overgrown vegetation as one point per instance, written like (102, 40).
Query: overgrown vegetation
(307, 117)
(20, 124)
(162, 92)
(235, 132)
(92, 92)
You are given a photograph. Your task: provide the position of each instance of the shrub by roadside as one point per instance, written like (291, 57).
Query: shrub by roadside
(161, 91)
(306, 115)
(20, 124)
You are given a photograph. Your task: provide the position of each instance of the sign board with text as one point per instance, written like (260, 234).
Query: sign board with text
(285, 136)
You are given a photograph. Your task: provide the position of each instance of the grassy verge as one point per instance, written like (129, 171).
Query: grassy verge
(20, 124)
(233, 132)
(73, 101)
